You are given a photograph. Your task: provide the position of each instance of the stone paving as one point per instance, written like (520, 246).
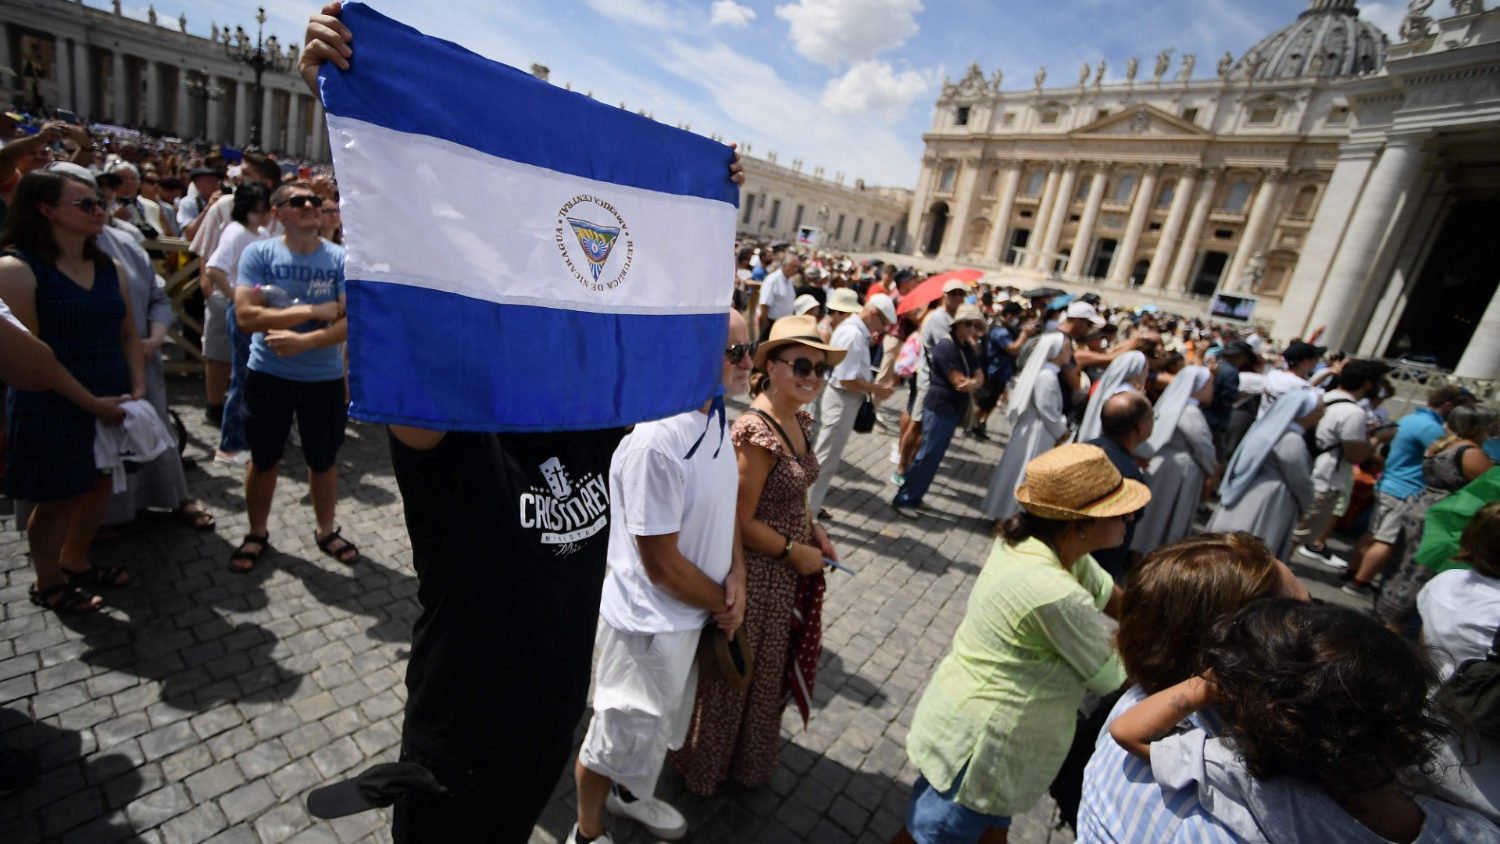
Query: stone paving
(203, 705)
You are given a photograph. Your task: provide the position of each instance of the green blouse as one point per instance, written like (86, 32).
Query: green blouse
(1003, 701)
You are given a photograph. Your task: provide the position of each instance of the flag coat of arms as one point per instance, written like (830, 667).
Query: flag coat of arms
(520, 257)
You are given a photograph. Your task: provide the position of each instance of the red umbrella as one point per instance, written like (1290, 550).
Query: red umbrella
(931, 290)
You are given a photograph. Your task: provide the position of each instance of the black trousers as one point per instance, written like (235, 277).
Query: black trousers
(498, 801)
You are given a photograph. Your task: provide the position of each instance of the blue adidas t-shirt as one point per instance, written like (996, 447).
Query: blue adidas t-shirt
(312, 279)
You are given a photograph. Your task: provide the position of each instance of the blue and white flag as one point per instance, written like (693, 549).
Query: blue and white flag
(520, 257)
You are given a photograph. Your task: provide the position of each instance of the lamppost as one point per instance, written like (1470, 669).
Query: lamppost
(264, 55)
(202, 89)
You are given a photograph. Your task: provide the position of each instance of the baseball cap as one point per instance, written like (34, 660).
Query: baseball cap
(955, 286)
(377, 787)
(1299, 351)
(1083, 310)
(886, 305)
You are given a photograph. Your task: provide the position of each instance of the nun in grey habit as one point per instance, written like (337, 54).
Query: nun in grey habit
(1268, 481)
(1126, 372)
(1035, 411)
(1181, 449)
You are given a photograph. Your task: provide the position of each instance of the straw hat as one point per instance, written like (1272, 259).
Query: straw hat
(1078, 481)
(968, 313)
(795, 330)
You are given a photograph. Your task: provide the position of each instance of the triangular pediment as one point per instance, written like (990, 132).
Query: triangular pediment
(1143, 121)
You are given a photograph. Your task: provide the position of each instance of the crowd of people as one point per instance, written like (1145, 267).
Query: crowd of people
(1157, 472)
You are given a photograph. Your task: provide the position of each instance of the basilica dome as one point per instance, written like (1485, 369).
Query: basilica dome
(1327, 40)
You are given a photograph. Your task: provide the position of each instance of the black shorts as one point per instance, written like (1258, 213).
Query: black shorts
(270, 403)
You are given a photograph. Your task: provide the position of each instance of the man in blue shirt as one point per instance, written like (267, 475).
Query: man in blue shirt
(1402, 478)
(290, 295)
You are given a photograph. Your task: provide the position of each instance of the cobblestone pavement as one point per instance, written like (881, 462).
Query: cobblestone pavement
(205, 704)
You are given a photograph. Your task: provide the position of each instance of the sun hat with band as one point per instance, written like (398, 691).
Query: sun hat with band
(844, 300)
(1078, 481)
(795, 331)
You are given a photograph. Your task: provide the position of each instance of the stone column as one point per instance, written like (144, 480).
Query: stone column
(294, 139)
(1257, 228)
(83, 81)
(1335, 210)
(1182, 195)
(268, 119)
(1084, 239)
(120, 102)
(1481, 358)
(184, 119)
(1395, 174)
(920, 201)
(150, 90)
(62, 73)
(213, 109)
(1188, 249)
(958, 221)
(244, 113)
(1043, 215)
(1000, 231)
(1145, 195)
(1059, 214)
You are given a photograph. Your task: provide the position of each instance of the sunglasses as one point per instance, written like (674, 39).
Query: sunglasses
(802, 367)
(90, 204)
(303, 201)
(738, 352)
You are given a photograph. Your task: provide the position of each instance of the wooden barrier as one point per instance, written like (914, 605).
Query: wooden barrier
(180, 268)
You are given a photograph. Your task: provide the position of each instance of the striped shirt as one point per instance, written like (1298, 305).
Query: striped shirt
(1123, 804)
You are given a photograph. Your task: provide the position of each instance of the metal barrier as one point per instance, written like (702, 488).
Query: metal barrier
(1412, 381)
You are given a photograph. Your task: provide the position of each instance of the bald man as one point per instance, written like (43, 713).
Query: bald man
(1126, 422)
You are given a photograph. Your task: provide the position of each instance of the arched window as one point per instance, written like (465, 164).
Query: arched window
(950, 174)
(1124, 187)
(1307, 197)
(1164, 196)
(1237, 196)
(1034, 182)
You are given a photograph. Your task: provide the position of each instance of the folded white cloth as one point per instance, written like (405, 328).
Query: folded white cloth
(140, 438)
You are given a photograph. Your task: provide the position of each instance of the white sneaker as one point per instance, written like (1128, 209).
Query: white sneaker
(658, 817)
(896, 453)
(573, 837)
(232, 458)
(1325, 557)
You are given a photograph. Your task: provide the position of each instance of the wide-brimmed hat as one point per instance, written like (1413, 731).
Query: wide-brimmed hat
(721, 657)
(1078, 481)
(844, 300)
(968, 313)
(794, 331)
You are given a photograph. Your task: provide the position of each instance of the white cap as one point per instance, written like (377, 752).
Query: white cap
(886, 305)
(844, 300)
(1083, 310)
(954, 285)
(71, 169)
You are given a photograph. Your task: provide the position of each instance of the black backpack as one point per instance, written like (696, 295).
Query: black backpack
(1311, 435)
(1474, 690)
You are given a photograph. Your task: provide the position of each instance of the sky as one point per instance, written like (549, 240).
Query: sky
(846, 84)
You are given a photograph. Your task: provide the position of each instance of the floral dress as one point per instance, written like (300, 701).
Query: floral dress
(735, 733)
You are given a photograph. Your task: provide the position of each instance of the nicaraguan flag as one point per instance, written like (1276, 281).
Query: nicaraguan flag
(520, 257)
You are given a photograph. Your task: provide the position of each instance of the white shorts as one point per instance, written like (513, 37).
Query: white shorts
(644, 688)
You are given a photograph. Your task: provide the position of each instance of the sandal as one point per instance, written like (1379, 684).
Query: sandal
(65, 599)
(250, 558)
(105, 576)
(194, 516)
(346, 553)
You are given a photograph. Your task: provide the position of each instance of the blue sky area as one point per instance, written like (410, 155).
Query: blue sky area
(846, 84)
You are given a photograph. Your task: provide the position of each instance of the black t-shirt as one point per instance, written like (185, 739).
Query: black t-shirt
(948, 356)
(1117, 560)
(509, 534)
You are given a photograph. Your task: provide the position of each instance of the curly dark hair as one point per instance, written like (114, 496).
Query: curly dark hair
(1325, 695)
(1174, 596)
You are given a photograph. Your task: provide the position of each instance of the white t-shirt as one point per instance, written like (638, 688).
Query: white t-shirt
(777, 295)
(232, 243)
(1279, 382)
(1459, 610)
(853, 336)
(654, 490)
(1343, 421)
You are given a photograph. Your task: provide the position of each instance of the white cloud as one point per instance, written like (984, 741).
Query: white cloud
(1387, 16)
(874, 87)
(731, 14)
(649, 14)
(831, 32)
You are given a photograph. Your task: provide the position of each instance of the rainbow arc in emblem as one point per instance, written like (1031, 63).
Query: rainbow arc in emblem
(596, 241)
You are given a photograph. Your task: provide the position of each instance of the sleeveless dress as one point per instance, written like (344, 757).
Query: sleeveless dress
(735, 733)
(50, 455)
(1397, 602)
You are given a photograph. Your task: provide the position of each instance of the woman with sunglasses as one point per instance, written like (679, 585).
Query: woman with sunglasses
(738, 733)
(65, 290)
